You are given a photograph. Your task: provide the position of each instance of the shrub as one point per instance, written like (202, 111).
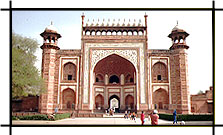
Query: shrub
(31, 117)
(14, 118)
(188, 117)
(62, 116)
(41, 117)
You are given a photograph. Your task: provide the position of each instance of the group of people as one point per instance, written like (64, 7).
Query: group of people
(152, 116)
(110, 112)
(131, 116)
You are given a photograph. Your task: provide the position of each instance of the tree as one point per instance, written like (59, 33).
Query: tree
(26, 79)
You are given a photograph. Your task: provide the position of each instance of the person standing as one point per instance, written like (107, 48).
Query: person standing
(154, 117)
(143, 118)
(126, 115)
(134, 116)
(174, 116)
(56, 110)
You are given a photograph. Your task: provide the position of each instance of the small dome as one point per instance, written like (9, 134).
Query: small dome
(175, 28)
(51, 28)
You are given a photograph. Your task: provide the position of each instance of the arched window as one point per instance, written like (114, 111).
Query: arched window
(109, 33)
(161, 99)
(87, 33)
(135, 33)
(181, 39)
(119, 33)
(99, 101)
(140, 33)
(114, 33)
(103, 33)
(114, 79)
(53, 40)
(98, 33)
(69, 71)
(93, 33)
(99, 78)
(129, 33)
(159, 73)
(69, 97)
(129, 79)
(124, 33)
(48, 39)
(129, 102)
(175, 40)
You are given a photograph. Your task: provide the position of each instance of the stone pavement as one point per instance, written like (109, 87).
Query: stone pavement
(107, 120)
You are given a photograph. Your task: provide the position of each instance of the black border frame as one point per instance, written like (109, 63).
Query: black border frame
(10, 9)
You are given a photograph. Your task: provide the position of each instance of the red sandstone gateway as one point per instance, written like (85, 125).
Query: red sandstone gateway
(115, 68)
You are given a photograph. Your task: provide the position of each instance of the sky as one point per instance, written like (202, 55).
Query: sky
(160, 24)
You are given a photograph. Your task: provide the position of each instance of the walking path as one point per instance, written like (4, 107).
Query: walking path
(107, 120)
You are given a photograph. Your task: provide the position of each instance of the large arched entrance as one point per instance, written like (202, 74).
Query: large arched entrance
(115, 75)
(114, 103)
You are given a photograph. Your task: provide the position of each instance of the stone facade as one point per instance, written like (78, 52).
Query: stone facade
(114, 67)
(25, 104)
(202, 103)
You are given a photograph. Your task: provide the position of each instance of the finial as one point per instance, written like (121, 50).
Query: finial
(123, 22)
(97, 22)
(134, 22)
(139, 24)
(82, 13)
(92, 24)
(113, 23)
(177, 22)
(51, 22)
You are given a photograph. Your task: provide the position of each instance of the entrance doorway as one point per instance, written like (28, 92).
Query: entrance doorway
(114, 103)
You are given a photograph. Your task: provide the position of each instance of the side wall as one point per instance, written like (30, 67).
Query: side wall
(177, 84)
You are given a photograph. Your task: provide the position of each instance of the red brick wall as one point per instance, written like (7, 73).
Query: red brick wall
(202, 103)
(26, 104)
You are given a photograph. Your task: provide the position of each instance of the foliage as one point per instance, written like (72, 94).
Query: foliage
(26, 78)
(31, 117)
(41, 117)
(187, 117)
(62, 116)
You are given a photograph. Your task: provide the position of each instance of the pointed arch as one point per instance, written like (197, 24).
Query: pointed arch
(161, 99)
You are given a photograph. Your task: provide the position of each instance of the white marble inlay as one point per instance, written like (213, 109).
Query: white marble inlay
(99, 89)
(129, 90)
(66, 87)
(114, 90)
(158, 87)
(154, 61)
(113, 48)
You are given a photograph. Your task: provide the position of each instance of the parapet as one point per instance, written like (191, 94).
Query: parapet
(114, 27)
